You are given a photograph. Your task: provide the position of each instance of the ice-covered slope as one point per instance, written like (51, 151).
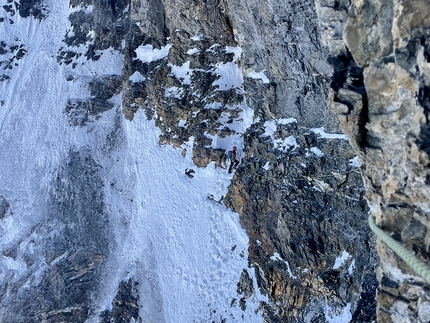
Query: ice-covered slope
(92, 202)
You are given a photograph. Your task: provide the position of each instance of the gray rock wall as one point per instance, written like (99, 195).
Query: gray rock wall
(380, 54)
(302, 204)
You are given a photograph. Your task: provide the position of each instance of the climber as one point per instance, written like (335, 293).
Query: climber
(232, 156)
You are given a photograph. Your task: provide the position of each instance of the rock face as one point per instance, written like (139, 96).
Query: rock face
(380, 54)
(202, 70)
(298, 190)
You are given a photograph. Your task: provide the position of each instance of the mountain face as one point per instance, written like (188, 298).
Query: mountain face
(115, 200)
(380, 56)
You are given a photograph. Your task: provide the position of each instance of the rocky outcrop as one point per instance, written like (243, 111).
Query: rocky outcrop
(380, 52)
(125, 307)
(60, 278)
(298, 190)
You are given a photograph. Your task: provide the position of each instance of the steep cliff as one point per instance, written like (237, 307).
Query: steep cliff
(298, 190)
(113, 209)
(380, 54)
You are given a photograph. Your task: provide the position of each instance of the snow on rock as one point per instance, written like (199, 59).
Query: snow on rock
(197, 37)
(317, 151)
(258, 76)
(193, 51)
(182, 73)
(342, 315)
(320, 132)
(136, 77)
(147, 54)
(341, 260)
(161, 228)
(354, 162)
(230, 74)
(288, 144)
(351, 267)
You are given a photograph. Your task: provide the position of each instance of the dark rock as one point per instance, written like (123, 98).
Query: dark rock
(415, 230)
(36, 8)
(4, 207)
(125, 306)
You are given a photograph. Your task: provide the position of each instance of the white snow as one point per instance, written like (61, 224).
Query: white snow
(197, 37)
(169, 235)
(321, 132)
(182, 73)
(336, 316)
(230, 74)
(174, 91)
(136, 77)
(237, 51)
(285, 121)
(351, 267)
(284, 145)
(341, 260)
(317, 151)
(270, 128)
(192, 51)
(354, 162)
(147, 54)
(258, 76)
(266, 166)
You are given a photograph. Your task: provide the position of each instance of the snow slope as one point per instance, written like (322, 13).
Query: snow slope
(166, 230)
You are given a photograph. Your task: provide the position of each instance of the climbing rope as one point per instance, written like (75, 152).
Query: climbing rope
(420, 267)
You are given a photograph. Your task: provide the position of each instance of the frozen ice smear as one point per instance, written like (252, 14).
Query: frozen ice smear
(168, 235)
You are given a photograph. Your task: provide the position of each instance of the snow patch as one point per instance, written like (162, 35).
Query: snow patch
(285, 121)
(341, 260)
(136, 77)
(354, 162)
(147, 54)
(317, 151)
(351, 267)
(336, 316)
(285, 144)
(174, 91)
(237, 51)
(258, 76)
(182, 73)
(321, 132)
(197, 38)
(230, 77)
(192, 51)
